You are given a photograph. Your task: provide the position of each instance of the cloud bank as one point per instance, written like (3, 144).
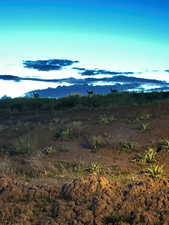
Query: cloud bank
(48, 65)
(72, 80)
(62, 84)
(93, 72)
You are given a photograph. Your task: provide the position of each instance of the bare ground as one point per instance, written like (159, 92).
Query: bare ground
(65, 177)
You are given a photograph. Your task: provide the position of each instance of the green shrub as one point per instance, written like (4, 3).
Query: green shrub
(24, 145)
(148, 157)
(164, 144)
(95, 167)
(155, 171)
(145, 126)
(128, 147)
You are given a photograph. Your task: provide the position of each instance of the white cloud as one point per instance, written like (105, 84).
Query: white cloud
(17, 89)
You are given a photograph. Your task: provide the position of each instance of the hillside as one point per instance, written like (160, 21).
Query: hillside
(85, 160)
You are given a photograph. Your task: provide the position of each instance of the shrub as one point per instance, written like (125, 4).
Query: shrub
(145, 126)
(73, 168)
(76, 128)
(145, 116)
(128, 147)
(155, 171)
(164, 145)
(78, 168)
(71, 131)
(49, 150)
(95, 167)
(97, 142)
(148, 157)
(24, 145)
(105, 119)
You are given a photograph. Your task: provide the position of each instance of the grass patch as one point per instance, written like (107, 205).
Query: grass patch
(106, 119)
(144, 117)
(97, 142)
(24, 145)
(95, 167)
(145, 126)
(73, 130)
(128, 147)
(70, 168)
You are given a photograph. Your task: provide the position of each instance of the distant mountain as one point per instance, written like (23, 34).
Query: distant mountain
(81, 89)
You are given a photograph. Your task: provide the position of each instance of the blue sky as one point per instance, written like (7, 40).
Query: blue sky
(125, 35)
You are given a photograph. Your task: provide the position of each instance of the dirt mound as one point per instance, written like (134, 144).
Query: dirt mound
(91, 198)
(84, 188)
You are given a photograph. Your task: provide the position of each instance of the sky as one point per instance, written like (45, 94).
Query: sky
(119, 35)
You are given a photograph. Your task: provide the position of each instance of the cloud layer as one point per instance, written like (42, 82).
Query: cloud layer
(88, 79)
(48, 65)
(91, 80)
(93, 72)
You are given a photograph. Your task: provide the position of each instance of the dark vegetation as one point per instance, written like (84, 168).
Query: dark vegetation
(85, 160)
(114, 99)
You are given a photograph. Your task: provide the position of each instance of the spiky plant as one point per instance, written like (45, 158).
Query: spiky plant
(145, 126)
(164, 144)
(149, 156)
(95, 167)
(155, 171)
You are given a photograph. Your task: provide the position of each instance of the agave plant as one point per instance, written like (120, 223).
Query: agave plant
(95, 167)
(155, 171)
(129, 147)
(145, 126)
(149, 156)
(163, 145)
